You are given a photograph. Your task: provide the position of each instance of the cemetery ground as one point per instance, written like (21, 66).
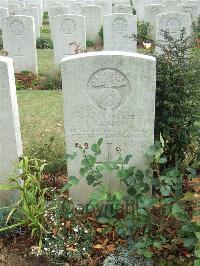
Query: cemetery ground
(171, 235)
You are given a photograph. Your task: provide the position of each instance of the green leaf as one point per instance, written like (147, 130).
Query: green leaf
(100, 141)
(190, 242)
(197, 253)
(163, 160)
(90, 179)
(165, 190)
(157, 244)
(8, 187)
(98, 196)
(94, 147)
(139, 175)
(147, 254)
(82, 171)
(192, 171)
(131, 191)
(103, 220)
(127, 159)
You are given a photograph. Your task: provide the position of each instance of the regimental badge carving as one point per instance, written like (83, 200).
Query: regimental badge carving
(17, 27)
(68, 26)
(173, 25)
(108, 88)
(120, 26)
(155, 11)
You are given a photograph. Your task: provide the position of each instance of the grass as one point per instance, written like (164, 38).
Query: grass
(45, 60)
(41, 119)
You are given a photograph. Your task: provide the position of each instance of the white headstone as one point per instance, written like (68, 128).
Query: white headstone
(120, 32)
(174, 23)
(190, 9)
(57, 11)
(40, 10)
(106, 6)
(69, 32)
(31, 12)
(12, 9)
(3, 14)
(151, 11)
(75, 7)
(93, 19)
(123, 9)
(19, 41)
(109, 95)
(10, 136)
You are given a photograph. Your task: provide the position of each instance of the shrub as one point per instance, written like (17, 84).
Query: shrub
(90, 43)
(143, 29)
(44, 43)
(177, 99)
(101, 35)
(26, 80)
(52, 80)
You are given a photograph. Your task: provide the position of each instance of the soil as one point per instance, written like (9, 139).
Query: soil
(14, 251)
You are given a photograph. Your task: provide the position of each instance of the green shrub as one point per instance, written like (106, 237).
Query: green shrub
(143, 29)
(196, 28)
(44, 43)
(101, 35)
(90, 43)
(51, 80)
(26, 80)
(177, 99)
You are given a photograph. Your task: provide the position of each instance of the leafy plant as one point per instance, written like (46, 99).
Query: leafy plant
(52, 80)
(90, 43)
(31, 205)
(177, 100)
(143, 29)
(26, 80)
(148, 218)
(44, 43)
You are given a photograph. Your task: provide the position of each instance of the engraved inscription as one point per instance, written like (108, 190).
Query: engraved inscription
(173, 25)
(154, 11)
(120, 26)
(59, 11)
(68, 26)
(17, 27)
(108, 88)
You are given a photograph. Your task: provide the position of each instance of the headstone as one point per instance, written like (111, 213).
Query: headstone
(106, 6)
(109, 95)
(93, 19)
(57, 11)
(3, 14)
(190, 9)
(69, 33)
(123, 9)
(12, 9)
(151, 11)
(31, 12)
(19, 41)
(75, 7)
(40, 10)
(174, 23)
(4, 4)
(10, 136)
(120, 32)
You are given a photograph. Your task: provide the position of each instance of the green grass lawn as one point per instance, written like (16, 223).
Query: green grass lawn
(45, 60)
(41, 118)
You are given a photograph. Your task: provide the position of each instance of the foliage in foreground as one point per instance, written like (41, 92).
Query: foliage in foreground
(160, 223)
(177, 100)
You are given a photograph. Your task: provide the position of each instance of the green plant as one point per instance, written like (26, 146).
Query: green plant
(31, 205)
(26, 80)
(44, 43)
(177, 100)
(90, 43)
(51, 80)
(159, 223)
(196, 31)
(101, 34)
(143, 29)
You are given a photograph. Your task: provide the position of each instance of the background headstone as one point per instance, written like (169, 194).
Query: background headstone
(93, 20)
(120, 33)
(68, 32)
(19, 41)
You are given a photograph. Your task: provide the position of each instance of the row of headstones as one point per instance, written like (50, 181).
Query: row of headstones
(109, 95)
(69, 34)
